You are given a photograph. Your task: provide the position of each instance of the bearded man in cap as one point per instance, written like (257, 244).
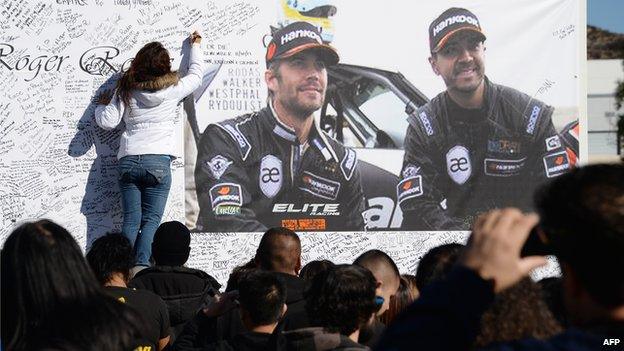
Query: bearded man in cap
(276, 167)
(476, 146)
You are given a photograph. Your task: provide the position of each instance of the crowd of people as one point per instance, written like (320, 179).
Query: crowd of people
(462, 297)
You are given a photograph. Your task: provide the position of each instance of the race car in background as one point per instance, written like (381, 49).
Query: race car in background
(367, 109)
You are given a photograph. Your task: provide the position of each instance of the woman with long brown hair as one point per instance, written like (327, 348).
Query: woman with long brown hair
(146, 98)
(52, 301)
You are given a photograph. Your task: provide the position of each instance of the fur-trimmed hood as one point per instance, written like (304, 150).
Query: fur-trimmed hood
(151, 93)
(158, 83)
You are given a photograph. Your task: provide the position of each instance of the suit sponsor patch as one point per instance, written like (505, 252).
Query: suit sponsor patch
(271, 175)
(216, 166)
(409, 188)
(458, 165)
(227, 210)
(226, 194)
(348, 163)
(503, 168)
(504, 146)
(556, 164)
(426, 123)
(535, 111)
(553, 143)
(319, 186)
(410, 170)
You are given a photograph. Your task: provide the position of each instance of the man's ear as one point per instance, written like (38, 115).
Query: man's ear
(378, 285)
(284, 309)
(298, 266)
(270, 79)
(434, 64)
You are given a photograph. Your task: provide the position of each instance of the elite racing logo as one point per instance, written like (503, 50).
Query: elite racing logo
(308, 209)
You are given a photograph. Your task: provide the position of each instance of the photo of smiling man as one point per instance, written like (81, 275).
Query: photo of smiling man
(276, 167)
(477, 145)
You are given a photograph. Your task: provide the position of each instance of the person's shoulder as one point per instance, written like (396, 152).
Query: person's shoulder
(516, 97)
(424, 121)
(147, 296)
(238, 132)
(188, 275)
(230, 126)
(202, 275)
(519, 110)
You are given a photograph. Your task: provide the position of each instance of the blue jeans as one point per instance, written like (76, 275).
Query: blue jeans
(144, 182)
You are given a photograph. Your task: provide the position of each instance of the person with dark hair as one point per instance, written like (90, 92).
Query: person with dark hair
(279, 252)
(581, 222)
(51, 300)
(262, 298)
(518, 312)
(404, 296)
(437, 263)
(184, 290)
(262, 303)
(146, 98)
(388, 279)
(110, 259)
(410, 280)
(312, 268)
(253, 170)
(476, 146)
(238, 272)
(339, 302)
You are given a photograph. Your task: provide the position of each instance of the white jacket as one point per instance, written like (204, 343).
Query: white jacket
(150, 119)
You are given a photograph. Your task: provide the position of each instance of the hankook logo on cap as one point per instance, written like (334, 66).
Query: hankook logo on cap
(454, 19)
(298, 34)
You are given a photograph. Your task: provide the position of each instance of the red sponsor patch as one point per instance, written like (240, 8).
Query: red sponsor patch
(305, 224)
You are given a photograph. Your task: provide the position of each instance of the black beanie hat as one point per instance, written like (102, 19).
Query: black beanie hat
(171, 245)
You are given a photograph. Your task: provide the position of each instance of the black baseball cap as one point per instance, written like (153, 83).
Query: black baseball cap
(450, 22)
(297, 37)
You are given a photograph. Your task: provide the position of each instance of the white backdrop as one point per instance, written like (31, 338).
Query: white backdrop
(54, 55)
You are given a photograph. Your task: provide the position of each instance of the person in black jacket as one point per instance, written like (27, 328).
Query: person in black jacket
(477, 145)
(276, 167)
(262, 303)
(183, 289)
(339, 302)
(279, 253)
(581, 222)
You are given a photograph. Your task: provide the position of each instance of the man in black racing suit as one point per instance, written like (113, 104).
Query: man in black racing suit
(476, 146)
(276, 167)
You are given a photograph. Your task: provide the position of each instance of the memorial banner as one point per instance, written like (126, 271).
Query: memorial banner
(403, 66)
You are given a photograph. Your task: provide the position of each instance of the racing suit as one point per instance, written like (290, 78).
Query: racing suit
(454, 169)
(252, 174)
